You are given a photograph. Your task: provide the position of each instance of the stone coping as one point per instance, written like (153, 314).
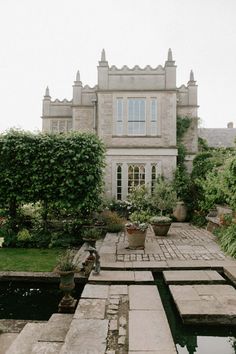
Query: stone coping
(47, 277)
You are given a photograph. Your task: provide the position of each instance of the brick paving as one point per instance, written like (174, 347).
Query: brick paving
(183, 242)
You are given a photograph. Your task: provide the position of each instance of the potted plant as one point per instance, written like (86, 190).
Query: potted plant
(66, 268)
(160, 225)
(163, 200)
(91, 235)
(136, 229)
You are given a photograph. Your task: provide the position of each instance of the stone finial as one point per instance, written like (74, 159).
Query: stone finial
(103, 56)
(191, 76)
(78, 76)
(170, 58)
(47, 94)
(230, 125)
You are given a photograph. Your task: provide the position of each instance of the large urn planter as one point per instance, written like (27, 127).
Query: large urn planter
(136, 237)
(180, 211)
(67, 284)
(160, 225)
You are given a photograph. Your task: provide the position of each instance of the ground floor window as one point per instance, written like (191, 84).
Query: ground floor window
(119, 182)
(154, 177)
(136, 176)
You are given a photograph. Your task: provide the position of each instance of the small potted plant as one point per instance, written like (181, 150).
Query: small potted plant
(91, 235)
(160, 225)
(136, 229)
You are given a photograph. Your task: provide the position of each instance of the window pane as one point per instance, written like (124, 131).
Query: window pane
(54, 126)
(119, 116)
(119, 182)
(136, 116)
(69, 125)
(62, 126)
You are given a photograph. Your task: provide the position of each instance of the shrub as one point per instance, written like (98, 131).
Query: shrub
(114, 228)
(139, 198)
(92, 233)
(227, 239)
(164, 196)
(110, 217)
(121, 207)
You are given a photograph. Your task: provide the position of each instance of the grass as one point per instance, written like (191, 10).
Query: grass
(28, 259)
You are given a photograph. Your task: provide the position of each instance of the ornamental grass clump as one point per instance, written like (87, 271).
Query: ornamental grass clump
(67, 262)
(160, 220)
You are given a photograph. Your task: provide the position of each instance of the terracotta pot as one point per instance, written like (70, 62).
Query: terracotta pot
(136, 238)
(180, 211)
(161, 229)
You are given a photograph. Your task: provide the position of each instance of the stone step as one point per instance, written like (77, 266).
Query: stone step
(205, 304)
(192, 277)
(120, 276)
(149, 331)
(6, 339)
(25, 340)
(86, 336)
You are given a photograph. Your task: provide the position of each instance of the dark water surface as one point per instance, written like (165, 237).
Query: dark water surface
(191, 339)
(31, 301)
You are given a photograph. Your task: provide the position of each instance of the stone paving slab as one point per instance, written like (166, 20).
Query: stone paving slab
(27, 337)
(153, 352)
(6, 339)
(113, 276)
(206, 304)
(149, 331)
(86, 336)
(143, 297)
(56, 328)
(192, 276)
(117, 276)
(90, 308)
(95, 291)
(230, 272)
(46, 348)
(118, 290)
(143, 277)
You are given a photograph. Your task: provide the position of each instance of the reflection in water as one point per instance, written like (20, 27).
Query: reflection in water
(30, 301)
(195, 339)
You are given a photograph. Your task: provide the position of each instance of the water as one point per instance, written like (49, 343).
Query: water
(31, 300)
(191, 339)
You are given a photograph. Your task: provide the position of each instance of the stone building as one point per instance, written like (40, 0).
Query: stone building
(219, 137)
(133, 110)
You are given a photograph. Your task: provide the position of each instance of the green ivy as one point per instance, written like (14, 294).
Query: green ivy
(62, 171)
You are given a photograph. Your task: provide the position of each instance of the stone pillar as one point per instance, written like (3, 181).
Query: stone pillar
(103, 72)
(46, 103)
(77, 90)
(170, 69)
(192, 91)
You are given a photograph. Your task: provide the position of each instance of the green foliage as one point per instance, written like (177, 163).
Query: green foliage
(164, 196)
(160, 220)
(140, 217)
(62, 172)
(139, 198)
(93, 233)
(67, 262)
(114, 228)
(202, 145)
(198, 219)
(227, 239)
(24, 236)
(121, 207)
(181, 176)
(182, 125)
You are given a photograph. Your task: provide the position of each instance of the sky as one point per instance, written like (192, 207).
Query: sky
(45, 42)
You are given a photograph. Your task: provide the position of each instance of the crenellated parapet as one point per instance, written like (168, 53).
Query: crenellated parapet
(137, 78)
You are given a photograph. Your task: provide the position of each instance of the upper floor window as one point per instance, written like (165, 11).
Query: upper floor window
(153, 116)
(61, 126)
(136, 116)
(119, 116)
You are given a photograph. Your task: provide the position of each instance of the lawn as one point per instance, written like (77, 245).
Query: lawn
(28, 259)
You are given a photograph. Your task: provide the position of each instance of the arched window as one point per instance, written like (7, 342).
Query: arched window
(136, 175)
(119, 182)
(154, 176)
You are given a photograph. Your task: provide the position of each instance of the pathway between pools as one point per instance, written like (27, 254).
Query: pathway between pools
(120, 310)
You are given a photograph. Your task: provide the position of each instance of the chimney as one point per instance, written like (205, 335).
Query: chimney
(230, 125)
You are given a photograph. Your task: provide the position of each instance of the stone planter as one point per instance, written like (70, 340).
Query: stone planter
(67, 284)
(180, 211)
(136, 238)
(161, 229)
